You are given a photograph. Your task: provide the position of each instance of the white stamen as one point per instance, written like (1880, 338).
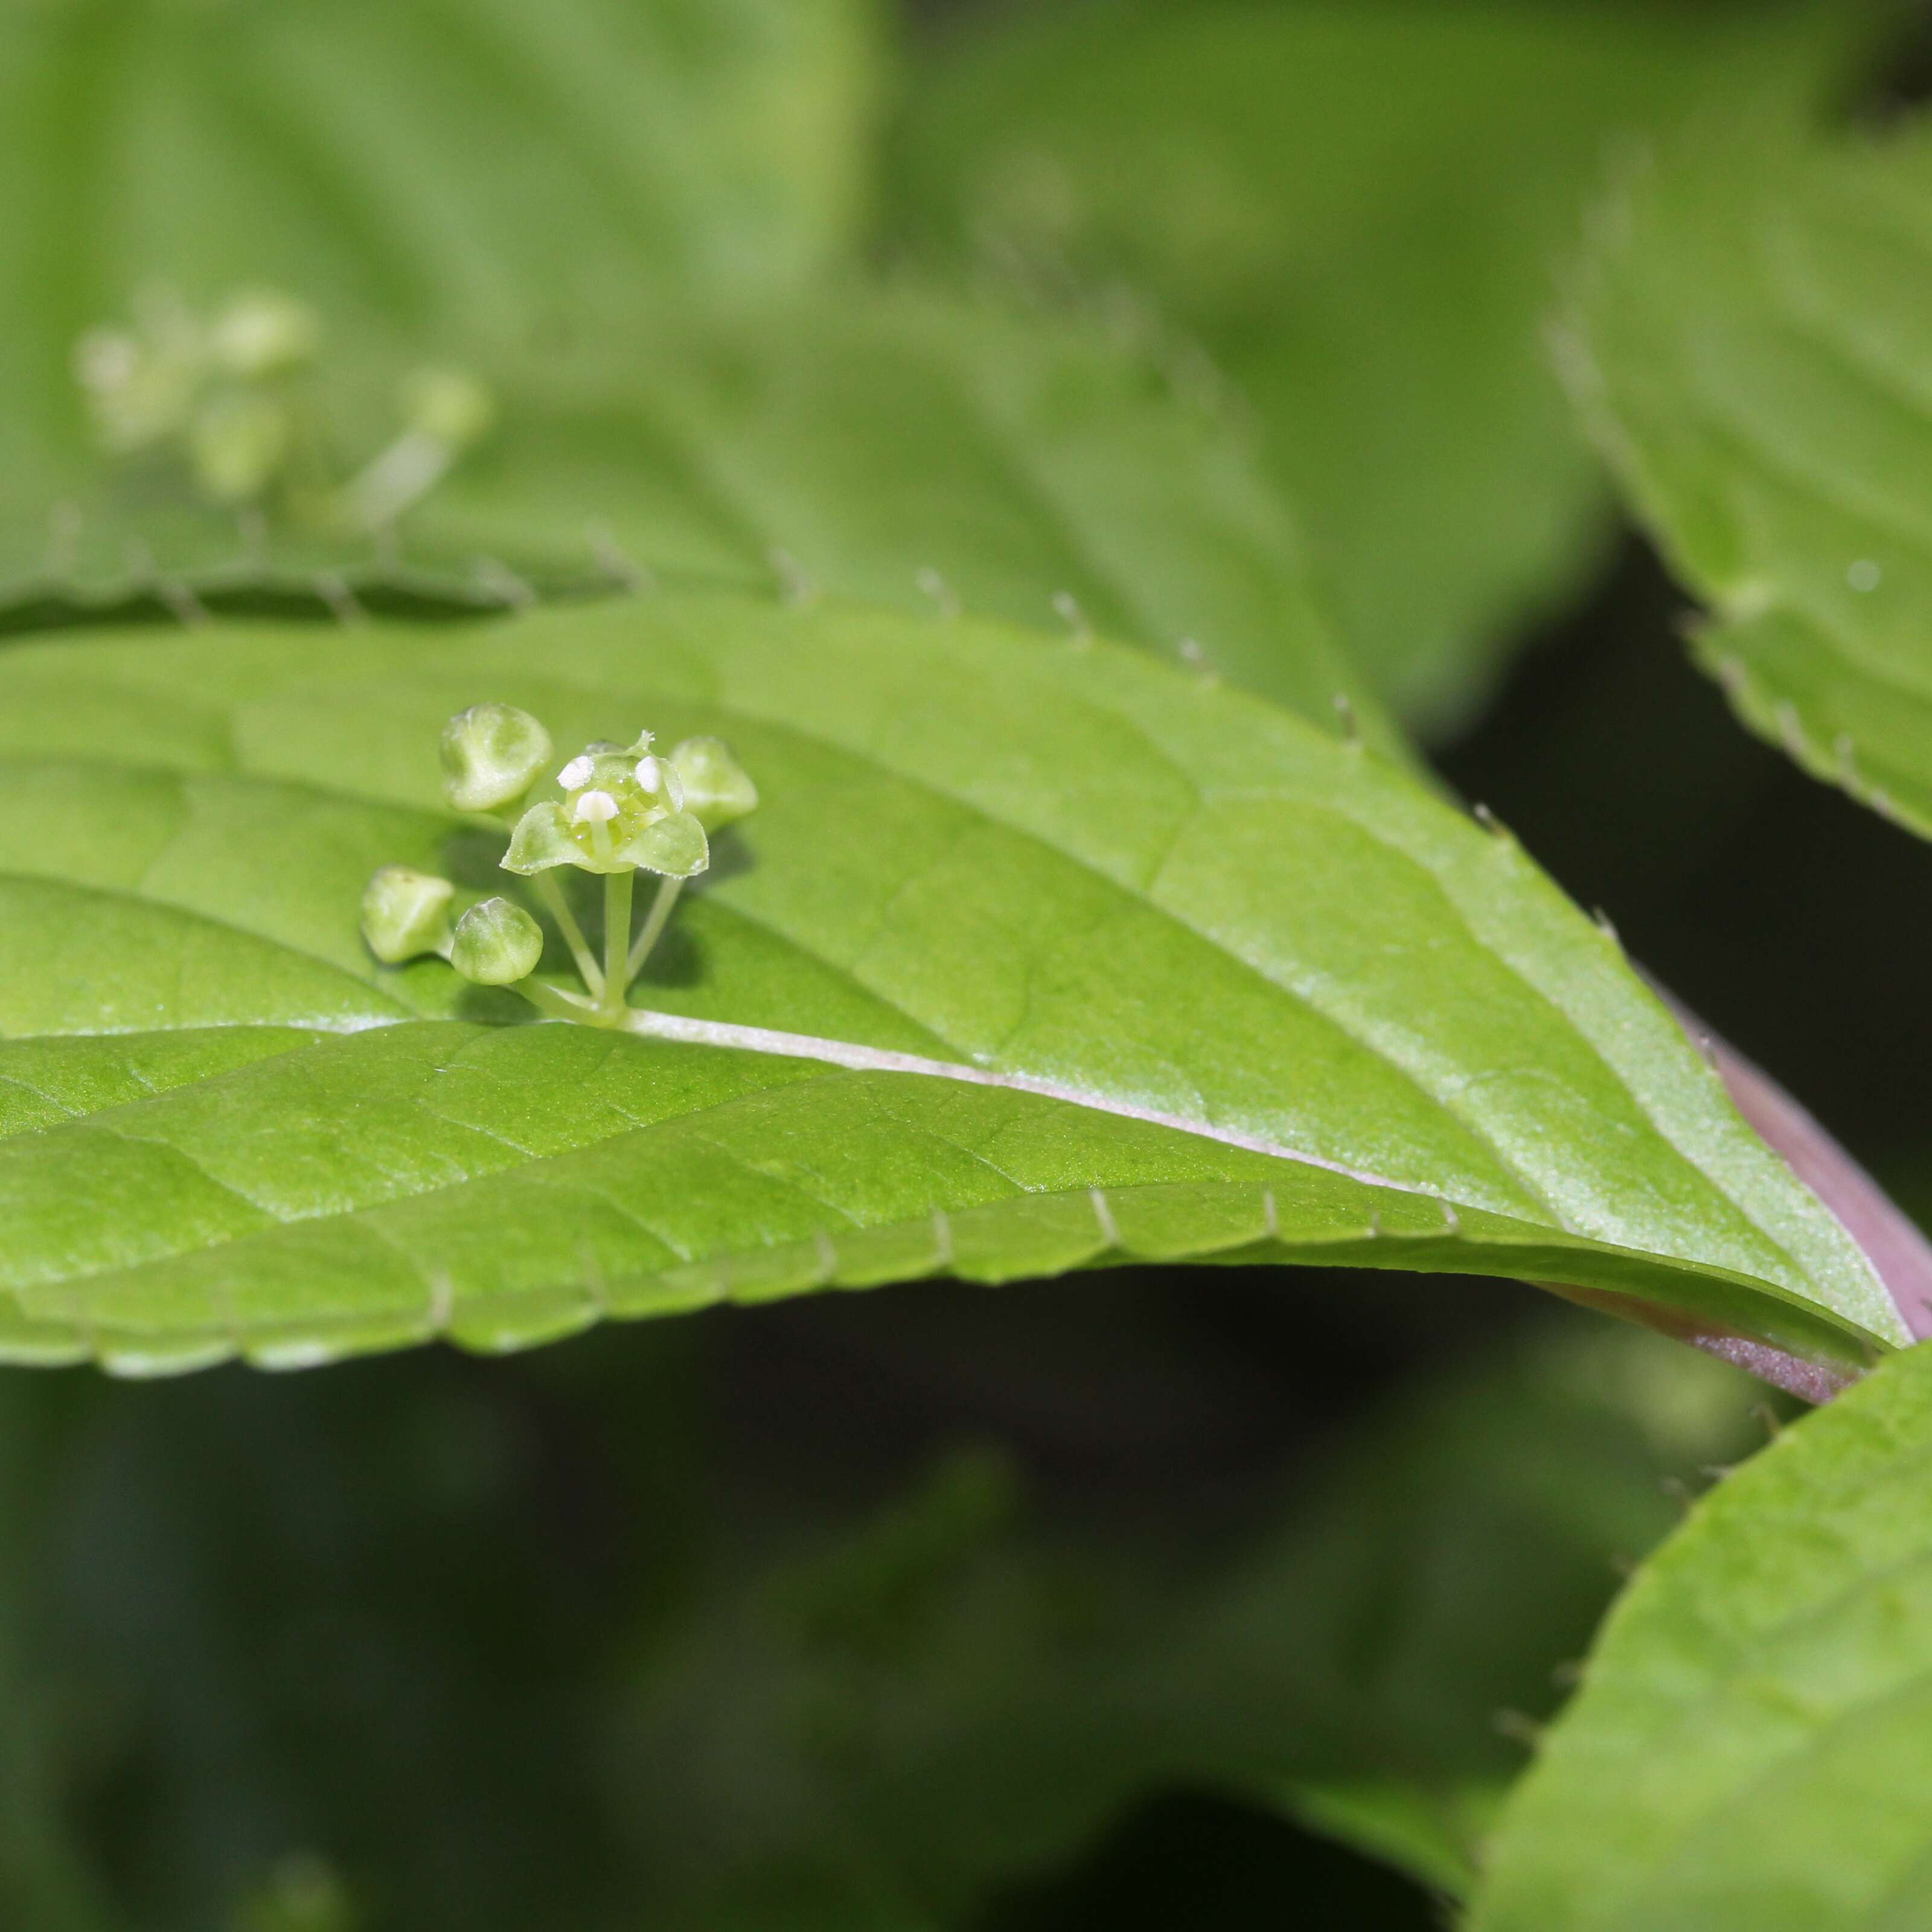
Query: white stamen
(594, 807)
(650, 774)
(577, 773)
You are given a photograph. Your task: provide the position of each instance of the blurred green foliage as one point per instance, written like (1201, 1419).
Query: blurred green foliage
(1358, 213)
(429, 1641)
(1749, 344)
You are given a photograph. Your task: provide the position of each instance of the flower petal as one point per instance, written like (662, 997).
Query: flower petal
(541, 839)
(674, 845)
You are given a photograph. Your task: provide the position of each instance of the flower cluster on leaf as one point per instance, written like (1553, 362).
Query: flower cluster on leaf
(622, 809)
(230, 395)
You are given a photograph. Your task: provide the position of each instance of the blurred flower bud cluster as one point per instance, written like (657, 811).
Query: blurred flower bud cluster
(232, 397)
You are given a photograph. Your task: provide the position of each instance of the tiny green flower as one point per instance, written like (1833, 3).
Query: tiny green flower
(140, 385)
(237, 443)
(622, 811)
(405, 913)
(496, 943)
(718, 791)
(262, 332)
(448, 406)
(492, 754)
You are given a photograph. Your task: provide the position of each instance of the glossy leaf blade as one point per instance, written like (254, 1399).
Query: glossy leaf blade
(1750, 1744)
(1089, 960)
(1753, 351)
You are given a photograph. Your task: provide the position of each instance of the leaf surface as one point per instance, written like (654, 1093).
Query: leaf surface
(1750, 1746)
(908, 448)
(439, 182)
(478, 170)
(599, 208)
(1755, 352)
(903, 447)
(1085, 960)
(1357, 211)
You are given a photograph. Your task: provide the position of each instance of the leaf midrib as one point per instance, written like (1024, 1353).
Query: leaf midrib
(1142, 895)
(1133, 893)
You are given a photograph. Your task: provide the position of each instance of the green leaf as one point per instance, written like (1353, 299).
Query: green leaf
(1356, 210)
(439, 181)
(577, 210)
(1750, 1746)
(479, 170)
(1453, 1566)
(1433, 1834)
(917, 451)
(901, 447)
(1092, 961)
(946, 1698)
(1755, 350)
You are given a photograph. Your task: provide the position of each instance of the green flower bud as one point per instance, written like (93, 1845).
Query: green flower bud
(262, 332)
(405, 913)
(496, 943)
(237, 444)
(718, 791)
(107, 360)
(491, 756)
(445, 404)
(138, 392)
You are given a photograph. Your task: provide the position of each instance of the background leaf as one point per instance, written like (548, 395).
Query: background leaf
(479, 171)
(1750, 1742)
(616, 242)
(234, 1631)
(902, 446)
(440, 182)
(1755, 353)
(928, 452)
(1357, 211)
(1226, 987)
(949, 1697)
